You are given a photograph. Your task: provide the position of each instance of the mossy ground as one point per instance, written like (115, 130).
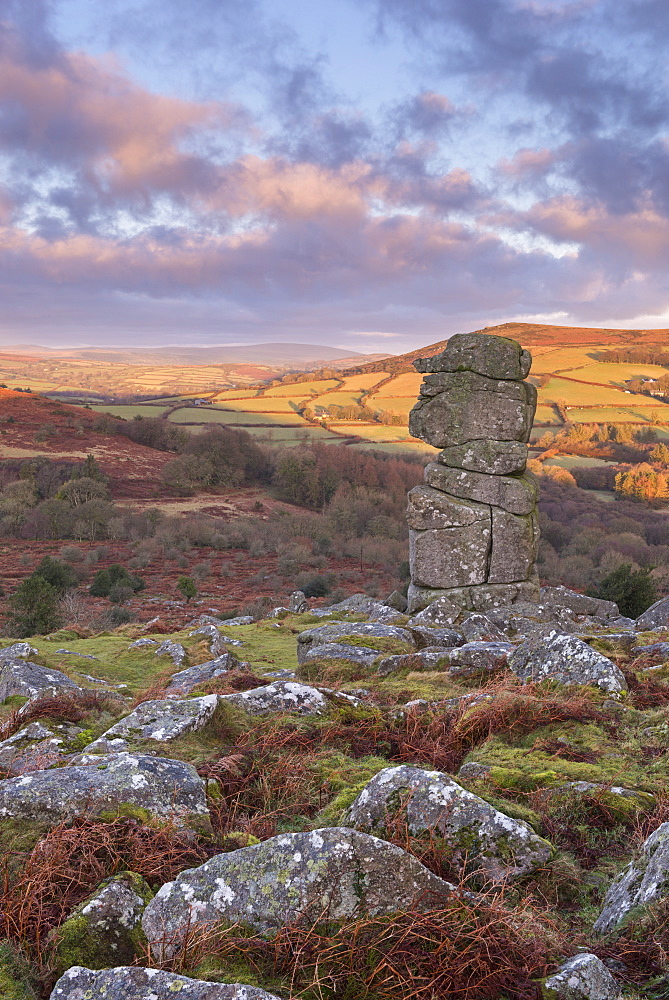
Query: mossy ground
(284, 772)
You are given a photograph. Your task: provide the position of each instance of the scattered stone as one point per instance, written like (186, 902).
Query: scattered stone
(298, 603)
(133, 983)
(579, 604)
(430, 658)
(323, 634)
(281, 696)
(83, 656)
(240, 620)
(161, 721)
(356, 604)
(473, 770)
(397, 601)
(174, 650)
(117, 784)
(645, 879)
(440, 612)
(329, 874)
(192, 677)
(583, 977)
(17, 651)
(21, 677)
(207, 620)
(525, 617)
(479, 628)
(657, 651)
(30, 749)
(445, 637)
(479, 837)
(341, 651)
(105, 929)
(476, 656)
(567, 659)
(145, 641)
(656, 615)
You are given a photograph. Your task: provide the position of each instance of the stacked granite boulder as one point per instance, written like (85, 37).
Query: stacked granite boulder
(473, 525)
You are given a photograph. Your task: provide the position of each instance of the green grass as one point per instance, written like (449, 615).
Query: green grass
(128, 412)
(300, 390)
(580, 394)
(200, 415)
(575, 461)
(618, 415)
(617, 374)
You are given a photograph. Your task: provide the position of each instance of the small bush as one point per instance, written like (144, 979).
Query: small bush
(105, 580)
(632, 590)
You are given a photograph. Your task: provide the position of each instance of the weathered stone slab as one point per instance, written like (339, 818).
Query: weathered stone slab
(431, 636)
(515, 540)
(479, 628)
(450, 557)
(342, 651)
(114, 784)
(482, 598)
(17, 651)
(21, 677)
(438, 612)
(645, 880)
(162, 721)
(30, 749)
(431, 508)
(567, 659)
(583, 977)
(494, 458)
(133, 983)
(471, 408)
(281, 696)
(190, 678)
(656, 616)
(487, 354)
(174, 650)
(430, 658)
(516, 494)
(579, 604)
(338, 631)
(481, 837)
(473, 657)
(329, 874)
(105, 928)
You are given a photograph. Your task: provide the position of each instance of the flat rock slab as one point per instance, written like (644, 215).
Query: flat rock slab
(439, 613)
(657, 651)
(133, 983)
(525, 617)
(162, 721)
(430, 658)
(485, 353)
(645, 880)
(281, 696)
(515, 494)
(190, 678)
(21, 677)
(330, 874)
(579, 604)
(583, 977)
(550, 653)
(475, 656)
(323, 634)
(445, 637)
(482, 597)
(479, 628)
(341, 651)
(481, 837)
(117, 783)
(494, 458)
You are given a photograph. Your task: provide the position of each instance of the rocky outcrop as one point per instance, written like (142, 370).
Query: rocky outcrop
(161, 721)
(105, 929)
(281, 696)
(656, 616)
(377, 635)
(117, 784)
(174, 650)
(473, 526)
(645, 880)
(29, 680)
(473, 832)
(583, 977)
(341, 651)
(330, 874)
(133, 983)
(192, 677)
(549, 653)
(30, 749)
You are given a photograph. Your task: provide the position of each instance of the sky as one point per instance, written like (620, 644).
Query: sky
(373, 175)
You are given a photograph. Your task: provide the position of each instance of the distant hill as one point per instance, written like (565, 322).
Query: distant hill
(270, 354)
(530, 335)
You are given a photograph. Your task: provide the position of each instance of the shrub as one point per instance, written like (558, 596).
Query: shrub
(315, 584)
(57, 573)
(34, 609)
(108, 581)
(633, 591)
(186, 585)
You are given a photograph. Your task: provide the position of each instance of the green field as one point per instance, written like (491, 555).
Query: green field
(201, 415)
(301, 390)
(546, 415)
(580, 394)
(564, 359)
(617, 374)
(393, 404)
(128, 412)
(617, 415)
(575, 461)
